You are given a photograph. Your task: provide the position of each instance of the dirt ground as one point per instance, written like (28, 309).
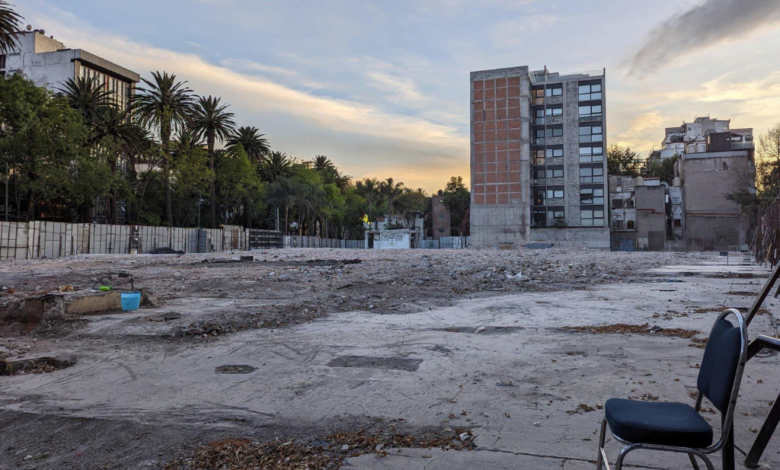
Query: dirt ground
(203, 365)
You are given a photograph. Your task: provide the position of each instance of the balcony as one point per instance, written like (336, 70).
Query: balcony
(589, 96)
(742, 145)
(591, 117)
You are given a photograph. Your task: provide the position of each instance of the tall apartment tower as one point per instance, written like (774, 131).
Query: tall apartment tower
(538, 158)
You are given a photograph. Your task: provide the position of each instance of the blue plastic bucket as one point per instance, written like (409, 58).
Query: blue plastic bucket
(131, 301)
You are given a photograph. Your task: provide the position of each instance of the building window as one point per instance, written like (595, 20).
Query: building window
(630, 225)
(617, 203)
(539, 197)
(591, 175)
(539, 136)
(554, 111)
(554, 193)
(539, 176)
(538, 96)
(592, 217)
(540, 217)
(592, 196)
(677, 222)
(538, 157)
(590, 92)
(555, 172)
(554, 91)
(591, 154)
(539, 120)
(2, 61)
(554, 152)
(441, 216)
(591, 134)
(590, 112)
(617, 223)
(554, 132)
(556, 214)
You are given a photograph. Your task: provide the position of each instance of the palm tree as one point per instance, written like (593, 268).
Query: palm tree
(255, 146)
(369, 189)
(10, 23)
(282, 192)
(391, 190)
(164, 106)
(88, 96)
(211, 121)
(275, 165)
(323, 163)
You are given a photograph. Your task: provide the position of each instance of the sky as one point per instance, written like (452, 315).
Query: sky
(382, 87)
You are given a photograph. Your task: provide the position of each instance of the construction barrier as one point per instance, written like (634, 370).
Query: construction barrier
(766, 240)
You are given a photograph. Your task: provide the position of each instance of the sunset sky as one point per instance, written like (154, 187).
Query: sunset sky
(382, 87)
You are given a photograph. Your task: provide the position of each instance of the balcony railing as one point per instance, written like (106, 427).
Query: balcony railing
(589, 96)
(591, 117)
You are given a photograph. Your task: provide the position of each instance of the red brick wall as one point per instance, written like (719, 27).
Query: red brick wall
(495, 140)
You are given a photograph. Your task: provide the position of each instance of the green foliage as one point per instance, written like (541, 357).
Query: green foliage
(10, 23)
(622, 161)
(663, 169)
(457, 199)
(762, 191)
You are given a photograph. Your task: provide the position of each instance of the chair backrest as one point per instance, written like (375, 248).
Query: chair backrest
(723, 362)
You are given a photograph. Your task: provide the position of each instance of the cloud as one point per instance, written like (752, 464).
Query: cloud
(360, 135)
(727, 88)
(705, 25)
(400, 90)
(646, 130)
(514, 33)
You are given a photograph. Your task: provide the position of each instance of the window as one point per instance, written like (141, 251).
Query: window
(630, 224)
(539, 120)
(554, 152)
(617, 223)
(555, 132)
(554, 193)
(554, 91)
(617, 203)
(539, 196)
(555, 173)
(554, 111)
(441, 216)
(2, 61)
(590, 91)
(555, 214)
(538, 96)
(592, 217)
(678, 222)
(591, 154)
(591, 175)
(591, 134)
(592, 196)
(538, 157)
(539, 176)
(590, 112)
(540, 217)
(539, 136)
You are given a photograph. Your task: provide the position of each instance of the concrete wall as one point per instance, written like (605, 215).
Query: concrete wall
(650, 217)
(391, 239)
(711, 222)
(572, 237)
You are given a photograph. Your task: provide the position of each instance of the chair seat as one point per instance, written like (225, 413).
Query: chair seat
(672, 424)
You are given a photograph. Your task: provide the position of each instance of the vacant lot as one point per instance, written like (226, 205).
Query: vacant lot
(328, 358)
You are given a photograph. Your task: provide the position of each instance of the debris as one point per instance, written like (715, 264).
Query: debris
(621, 328)
(235, 369)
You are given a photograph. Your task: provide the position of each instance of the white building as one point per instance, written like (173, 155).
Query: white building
(47, 62)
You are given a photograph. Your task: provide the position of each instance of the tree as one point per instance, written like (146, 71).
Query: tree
(191, 175)
(391, 191)
(282, 193)
(663, 169)
(86, 95)
(276, 165)
(211, 121)
(763, 188)
(255, 146)
(42, 139)
(164, 107)
(237, 182)
(369, 189)
(622, 161)
(457, 199)
(10, 23)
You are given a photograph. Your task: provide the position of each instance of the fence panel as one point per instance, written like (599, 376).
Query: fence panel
(13, 240)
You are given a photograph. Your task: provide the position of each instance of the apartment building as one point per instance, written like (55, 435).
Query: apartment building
(538, 158)
(47, 62)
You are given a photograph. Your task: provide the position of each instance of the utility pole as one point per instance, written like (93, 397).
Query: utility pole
(277, 218)
(7, 177)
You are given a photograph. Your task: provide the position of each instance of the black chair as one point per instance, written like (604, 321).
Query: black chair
(677, 427)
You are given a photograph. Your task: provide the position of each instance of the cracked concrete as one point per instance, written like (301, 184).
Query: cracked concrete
(519, 391)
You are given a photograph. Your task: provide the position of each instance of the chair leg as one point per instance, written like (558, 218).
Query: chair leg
(602, 436)
(693, 461)
(623, 452)
(707, 461)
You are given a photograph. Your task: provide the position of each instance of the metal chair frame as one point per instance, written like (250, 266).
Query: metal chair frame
(727, 422)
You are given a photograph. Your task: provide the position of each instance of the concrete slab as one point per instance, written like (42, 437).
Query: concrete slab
(500, 366)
